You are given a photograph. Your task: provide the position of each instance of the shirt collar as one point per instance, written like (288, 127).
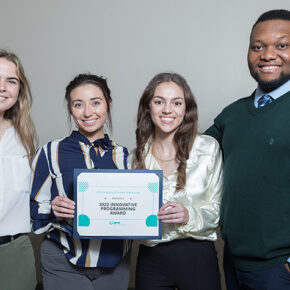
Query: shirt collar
(102, 142)
(275, 94)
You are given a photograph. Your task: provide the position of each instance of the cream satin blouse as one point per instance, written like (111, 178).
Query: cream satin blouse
(201, 195)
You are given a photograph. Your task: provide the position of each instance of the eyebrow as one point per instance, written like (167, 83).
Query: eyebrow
(77, 100)
(13, 78)
(279, 38)
(283, 36)
(91, 99)
(96, 98)
(164, 98)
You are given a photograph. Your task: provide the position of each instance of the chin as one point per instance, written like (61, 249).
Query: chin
(270, 85)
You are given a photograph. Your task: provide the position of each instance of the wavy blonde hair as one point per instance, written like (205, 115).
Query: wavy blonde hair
(185, 134)
(19, 114)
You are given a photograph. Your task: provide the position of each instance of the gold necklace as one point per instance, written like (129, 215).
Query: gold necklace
(163, 160)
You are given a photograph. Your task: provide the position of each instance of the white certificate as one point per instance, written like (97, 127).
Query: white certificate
(117, 204)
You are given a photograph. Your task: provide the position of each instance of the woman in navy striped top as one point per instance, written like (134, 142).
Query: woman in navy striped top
(69, 263)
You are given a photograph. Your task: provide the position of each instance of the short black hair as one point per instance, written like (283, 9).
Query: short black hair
(278, 14)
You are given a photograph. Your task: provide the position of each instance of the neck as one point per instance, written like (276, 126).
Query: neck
(163, 146)
(165, 138)
(4, 125)
(1, 117)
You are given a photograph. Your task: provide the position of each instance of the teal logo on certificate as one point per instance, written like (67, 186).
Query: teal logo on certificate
(117, 204)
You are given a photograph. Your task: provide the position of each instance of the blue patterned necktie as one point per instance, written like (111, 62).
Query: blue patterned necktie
(264, 100)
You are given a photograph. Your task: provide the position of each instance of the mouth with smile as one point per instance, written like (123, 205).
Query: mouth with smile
(167, 120)
(89, 122)
(3, 98)
(269, 68)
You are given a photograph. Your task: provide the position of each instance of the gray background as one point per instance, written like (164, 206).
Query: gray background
(128, 42)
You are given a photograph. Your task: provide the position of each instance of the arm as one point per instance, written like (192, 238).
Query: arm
(204, 215)
(215, 130)
(45, 202)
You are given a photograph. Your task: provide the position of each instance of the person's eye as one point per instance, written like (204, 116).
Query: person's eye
(13, 82)
(158, 102)
(177, 103)
(95, 103)
(282, 45)
(257, 47)
(77, 105)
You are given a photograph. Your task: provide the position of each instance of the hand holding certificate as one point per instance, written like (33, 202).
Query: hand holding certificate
(117, 204)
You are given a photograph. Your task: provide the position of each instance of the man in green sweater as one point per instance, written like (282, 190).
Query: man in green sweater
(254, 133)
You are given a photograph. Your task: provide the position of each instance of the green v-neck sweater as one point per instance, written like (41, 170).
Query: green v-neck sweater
(255, 208)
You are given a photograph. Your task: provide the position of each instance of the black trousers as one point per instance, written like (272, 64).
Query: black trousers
(185, 264)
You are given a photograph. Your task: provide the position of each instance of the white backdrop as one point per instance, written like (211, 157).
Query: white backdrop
(129, 41)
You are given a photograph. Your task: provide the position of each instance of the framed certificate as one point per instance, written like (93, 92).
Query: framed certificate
(117, 204)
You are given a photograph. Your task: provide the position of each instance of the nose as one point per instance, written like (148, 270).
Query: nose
(269, 53)
(87, 111)
(167, 108)
(2, 85)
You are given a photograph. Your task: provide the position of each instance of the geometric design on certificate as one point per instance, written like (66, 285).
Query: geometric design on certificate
(83, 186)
(84, 220)
(152, 221)
(153, 187)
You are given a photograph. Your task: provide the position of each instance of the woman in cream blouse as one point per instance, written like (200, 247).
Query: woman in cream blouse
(17, 135)
(167, 139)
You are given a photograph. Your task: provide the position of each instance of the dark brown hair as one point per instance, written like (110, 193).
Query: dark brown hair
(185, 134)
(84, 79)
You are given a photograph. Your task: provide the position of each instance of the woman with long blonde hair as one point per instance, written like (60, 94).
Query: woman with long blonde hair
(17, 146)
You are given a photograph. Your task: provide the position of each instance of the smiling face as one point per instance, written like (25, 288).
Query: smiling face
(269, 53)
(88, 107)
(9, 85)
(167, 108)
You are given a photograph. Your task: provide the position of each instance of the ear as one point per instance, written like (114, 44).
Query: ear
(110, 104)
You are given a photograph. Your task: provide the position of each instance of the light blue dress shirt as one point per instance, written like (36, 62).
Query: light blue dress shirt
(275, 94)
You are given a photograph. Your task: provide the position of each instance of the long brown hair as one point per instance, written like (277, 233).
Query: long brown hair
(183, 137)
(19, 114)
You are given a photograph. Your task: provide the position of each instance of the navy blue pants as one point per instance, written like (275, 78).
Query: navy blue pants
(185, 264)
(275, 278)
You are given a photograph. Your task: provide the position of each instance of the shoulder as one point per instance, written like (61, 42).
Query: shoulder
(52, 143)
(49, 148)
(205, 152)
(205, 145)
(237, 104)
(12, 144)
(131, 158)
(119, 149)
(147, 155)
(118, 146)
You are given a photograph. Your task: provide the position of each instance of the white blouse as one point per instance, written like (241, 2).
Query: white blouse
(15, 174)
(201, 195)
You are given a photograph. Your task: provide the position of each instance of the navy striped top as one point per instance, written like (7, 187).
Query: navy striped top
(53, 168)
